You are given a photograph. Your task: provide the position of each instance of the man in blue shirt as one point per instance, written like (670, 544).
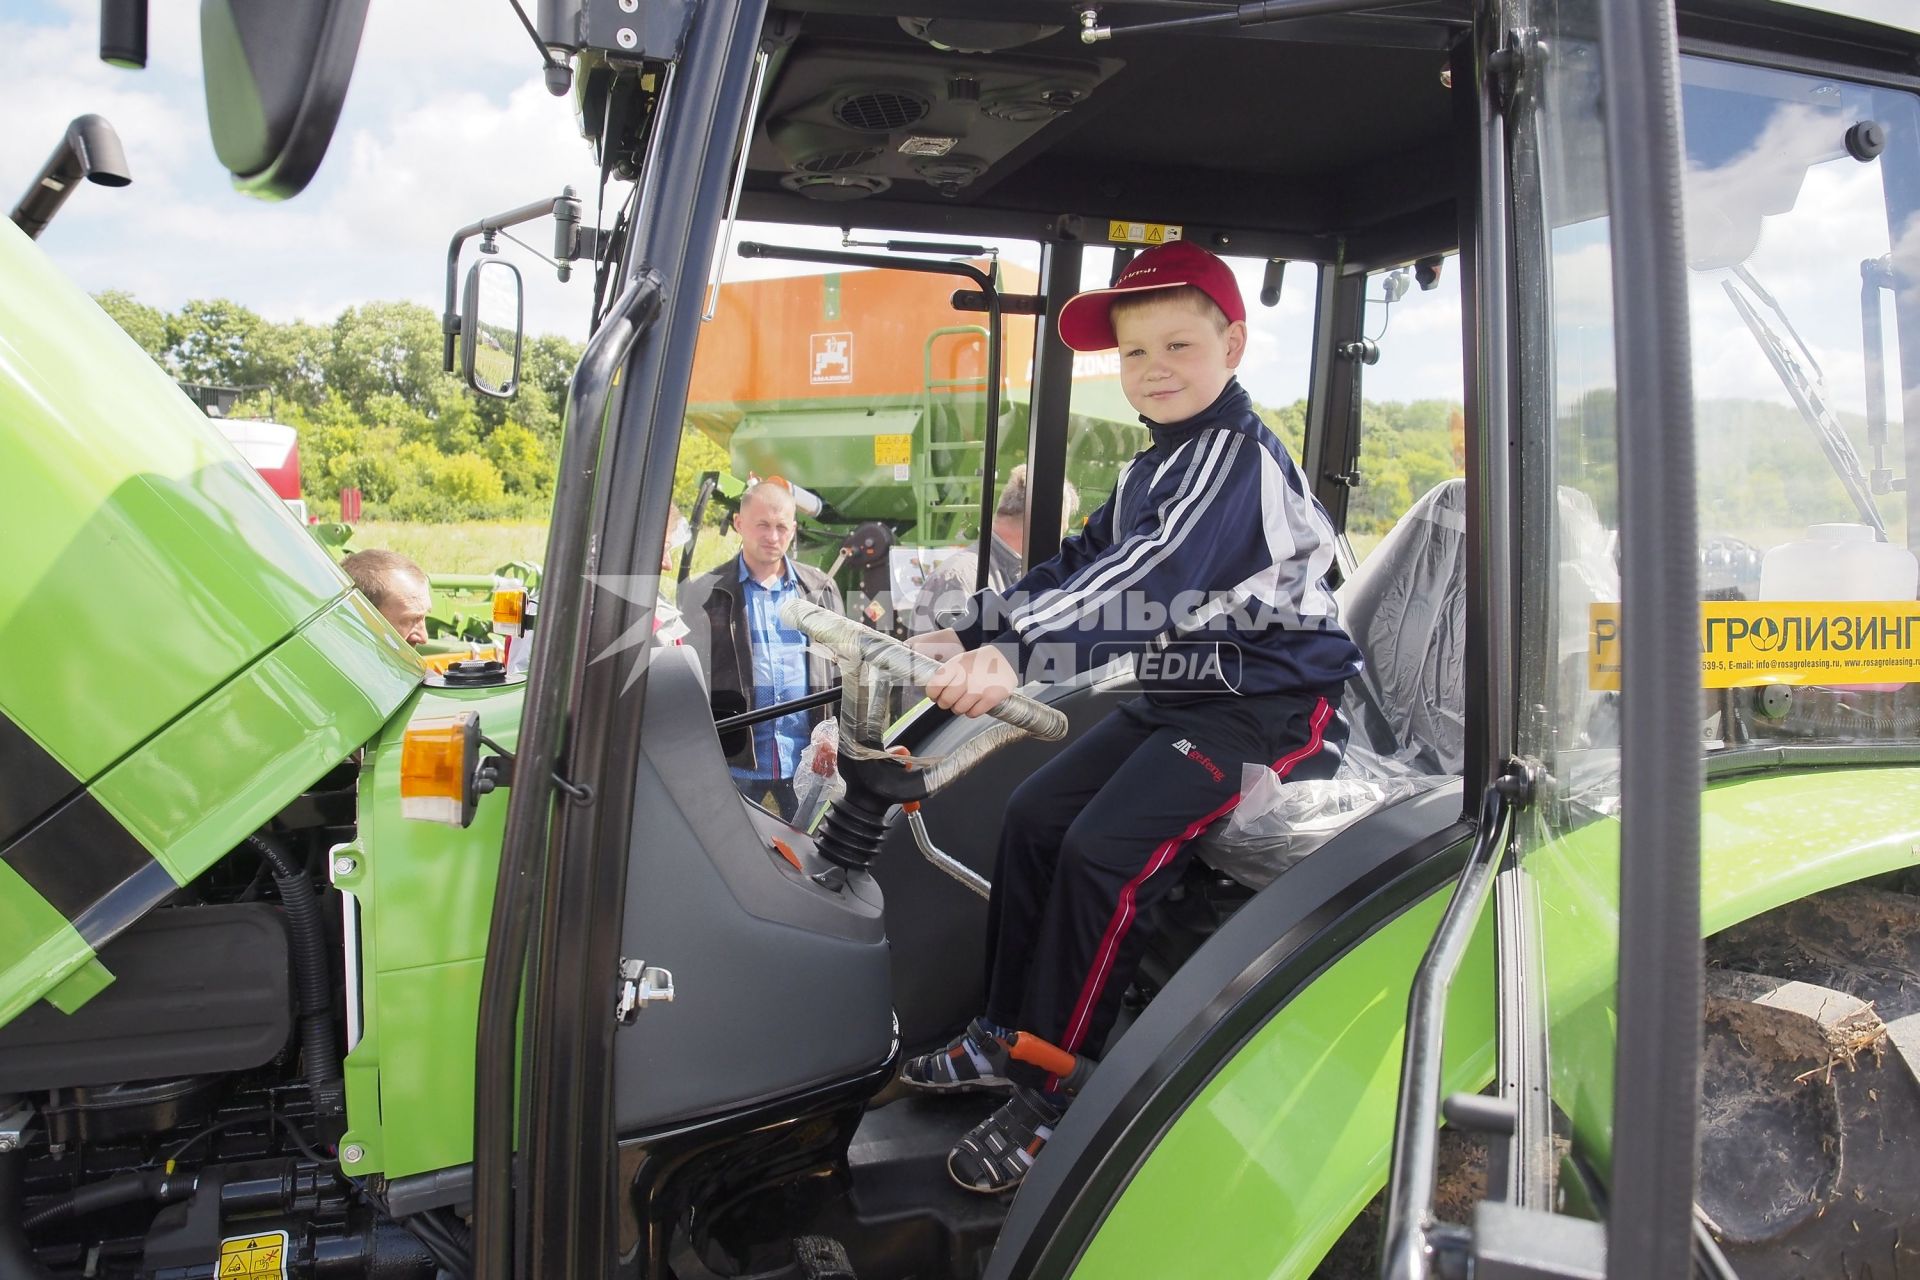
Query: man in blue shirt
(735, 616)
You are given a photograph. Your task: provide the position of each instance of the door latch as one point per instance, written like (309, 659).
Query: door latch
(640, 986)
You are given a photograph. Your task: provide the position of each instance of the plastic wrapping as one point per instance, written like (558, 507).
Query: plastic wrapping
(816, 780)
(1405, 608)
(1278, 823)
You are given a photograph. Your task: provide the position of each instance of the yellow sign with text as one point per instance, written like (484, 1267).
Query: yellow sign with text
(1146, 233)
(892, 451)
(253, 1256)
(1749, 642)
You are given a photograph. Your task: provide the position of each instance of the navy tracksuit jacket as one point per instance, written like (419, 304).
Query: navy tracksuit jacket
(1208, 565)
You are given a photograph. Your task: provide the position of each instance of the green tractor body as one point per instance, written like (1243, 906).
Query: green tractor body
(182, 658)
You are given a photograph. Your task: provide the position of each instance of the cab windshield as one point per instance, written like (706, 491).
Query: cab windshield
(1803, 243)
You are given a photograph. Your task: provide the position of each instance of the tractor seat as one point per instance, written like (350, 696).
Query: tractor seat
(1405, 606)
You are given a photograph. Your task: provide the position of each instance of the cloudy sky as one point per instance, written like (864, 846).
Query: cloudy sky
(428, 142)
(431, 140)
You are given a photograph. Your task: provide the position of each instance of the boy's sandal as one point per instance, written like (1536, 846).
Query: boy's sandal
(974, 1060)
(995, 1154)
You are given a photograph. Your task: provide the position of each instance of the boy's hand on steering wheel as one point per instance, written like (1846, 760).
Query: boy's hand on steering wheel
(940, 645)
(973, 683)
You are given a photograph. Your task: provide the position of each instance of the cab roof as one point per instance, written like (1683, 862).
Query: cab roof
(1327, 138)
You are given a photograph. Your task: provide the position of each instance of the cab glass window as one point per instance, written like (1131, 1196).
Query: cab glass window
(1803, 237)
(1413, 429)
(833, 448)
(1565, 537)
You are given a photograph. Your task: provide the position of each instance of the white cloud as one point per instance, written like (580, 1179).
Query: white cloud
(52, 74)
(425, 146)
(1824, 214)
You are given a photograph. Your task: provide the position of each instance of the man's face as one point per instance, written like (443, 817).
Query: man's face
(765, 524)
(1174, 361)
(406, 608)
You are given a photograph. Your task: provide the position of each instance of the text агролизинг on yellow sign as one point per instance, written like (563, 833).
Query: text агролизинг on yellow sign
(1747, 642)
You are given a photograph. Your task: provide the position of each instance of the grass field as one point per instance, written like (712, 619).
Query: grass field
(472, 547)
(483, 546)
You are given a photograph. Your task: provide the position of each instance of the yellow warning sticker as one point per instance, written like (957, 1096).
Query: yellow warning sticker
(264, 1255)
(1142, 232)
(892, 451)
(1748, 642)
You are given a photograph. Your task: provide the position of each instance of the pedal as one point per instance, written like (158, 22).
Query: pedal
(822, 1258)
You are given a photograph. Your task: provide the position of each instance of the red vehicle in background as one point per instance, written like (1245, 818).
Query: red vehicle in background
(272, 449)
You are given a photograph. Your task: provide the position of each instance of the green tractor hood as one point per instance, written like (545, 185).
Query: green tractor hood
(178, 658)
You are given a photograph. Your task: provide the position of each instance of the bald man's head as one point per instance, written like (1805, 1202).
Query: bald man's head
(398, 588)
(766, 526)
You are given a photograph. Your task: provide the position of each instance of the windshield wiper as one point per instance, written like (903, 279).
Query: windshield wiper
(1808, 397)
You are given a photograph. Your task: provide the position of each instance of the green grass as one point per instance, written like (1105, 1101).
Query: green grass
(474, 546)
(716, 546)
(479, 546)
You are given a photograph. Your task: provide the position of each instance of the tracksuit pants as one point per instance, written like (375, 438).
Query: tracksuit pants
(1095, 838)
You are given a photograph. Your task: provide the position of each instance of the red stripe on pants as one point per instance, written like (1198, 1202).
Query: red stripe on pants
(1123, 911)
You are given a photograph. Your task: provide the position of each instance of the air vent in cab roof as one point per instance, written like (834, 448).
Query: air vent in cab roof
(846, 121)
(880, 110)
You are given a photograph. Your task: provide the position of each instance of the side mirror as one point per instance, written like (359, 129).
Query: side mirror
(276, 78)
(490, 328)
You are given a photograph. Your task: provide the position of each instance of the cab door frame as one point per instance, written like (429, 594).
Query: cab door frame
(1650, 1220)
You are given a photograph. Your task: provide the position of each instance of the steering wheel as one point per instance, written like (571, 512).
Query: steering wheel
(864, 653)
(871, 667)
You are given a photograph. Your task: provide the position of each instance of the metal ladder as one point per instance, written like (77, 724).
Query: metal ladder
(949, 454)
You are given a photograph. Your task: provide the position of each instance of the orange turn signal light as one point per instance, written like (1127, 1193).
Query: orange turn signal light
(509, 607)
(438, 759)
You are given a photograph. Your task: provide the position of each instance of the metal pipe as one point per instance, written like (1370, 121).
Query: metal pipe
(1050, 407)
(1416, 1139)
(983, 562)
(739, 184)
(748, 718)
(90, 150)
(946, 862)
(699, 513)
(1245, 15)
(1489, 486)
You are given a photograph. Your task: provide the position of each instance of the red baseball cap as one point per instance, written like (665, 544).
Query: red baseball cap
(1086, 322)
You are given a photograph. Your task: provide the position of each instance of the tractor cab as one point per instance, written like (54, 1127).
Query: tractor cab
(1590, 327)
(1490, 564)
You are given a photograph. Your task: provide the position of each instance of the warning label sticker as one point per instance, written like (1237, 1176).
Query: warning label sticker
(263, 1255)
(1142, 232)
(1746, 642)
(892, 450)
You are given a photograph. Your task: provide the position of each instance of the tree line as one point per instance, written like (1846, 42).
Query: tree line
(375, 412)
(372, 406)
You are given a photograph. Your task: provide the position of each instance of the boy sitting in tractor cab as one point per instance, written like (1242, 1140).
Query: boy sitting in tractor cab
(1211, 551)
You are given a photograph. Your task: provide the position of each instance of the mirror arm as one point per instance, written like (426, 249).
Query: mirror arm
(565, 209)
